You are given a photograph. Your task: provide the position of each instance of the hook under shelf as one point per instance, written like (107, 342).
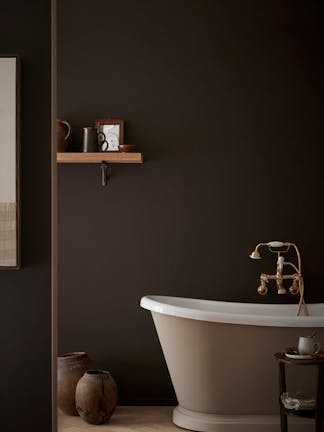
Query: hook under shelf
(104, 167)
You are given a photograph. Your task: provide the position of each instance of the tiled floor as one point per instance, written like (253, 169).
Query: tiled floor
(125, 419)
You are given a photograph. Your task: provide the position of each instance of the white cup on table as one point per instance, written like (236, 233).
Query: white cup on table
(307, 345)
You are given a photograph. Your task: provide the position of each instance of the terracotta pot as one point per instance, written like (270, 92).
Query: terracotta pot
(70, 368)
(96, 396)
(63, 133)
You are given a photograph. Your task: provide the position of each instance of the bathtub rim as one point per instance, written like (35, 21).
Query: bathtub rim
(155, 303)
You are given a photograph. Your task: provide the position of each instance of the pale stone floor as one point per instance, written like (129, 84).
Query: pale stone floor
(125, 419)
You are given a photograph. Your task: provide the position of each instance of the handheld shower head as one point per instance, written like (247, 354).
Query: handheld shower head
(255, 254)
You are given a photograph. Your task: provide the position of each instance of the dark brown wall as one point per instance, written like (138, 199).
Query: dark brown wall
(25, 394)
(224, 99)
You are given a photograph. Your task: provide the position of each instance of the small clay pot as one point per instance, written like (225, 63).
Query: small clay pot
(96, 396)
(70, 368)
(126, 148)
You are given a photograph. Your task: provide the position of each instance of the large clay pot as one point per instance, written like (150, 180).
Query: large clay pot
(96, 396)
(70, 368)
(63, 133)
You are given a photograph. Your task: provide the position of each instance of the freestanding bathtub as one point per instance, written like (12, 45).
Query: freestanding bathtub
(220, 359)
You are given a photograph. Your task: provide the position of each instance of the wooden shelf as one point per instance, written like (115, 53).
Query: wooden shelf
(109, 157)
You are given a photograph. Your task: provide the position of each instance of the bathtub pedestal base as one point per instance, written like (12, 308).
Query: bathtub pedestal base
(197, 421)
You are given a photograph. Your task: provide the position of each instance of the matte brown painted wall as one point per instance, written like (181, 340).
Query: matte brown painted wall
(25, 320)
(224, 99)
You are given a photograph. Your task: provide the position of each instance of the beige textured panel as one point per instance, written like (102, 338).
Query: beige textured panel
(8, 235)
(125, 419)
(7, 129)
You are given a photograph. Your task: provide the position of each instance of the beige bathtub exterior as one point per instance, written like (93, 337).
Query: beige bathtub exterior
(225, 374)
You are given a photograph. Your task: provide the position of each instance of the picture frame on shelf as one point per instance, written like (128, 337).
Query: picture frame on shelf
(110, 134)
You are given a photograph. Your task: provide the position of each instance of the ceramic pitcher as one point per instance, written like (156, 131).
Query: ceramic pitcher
(63, 131)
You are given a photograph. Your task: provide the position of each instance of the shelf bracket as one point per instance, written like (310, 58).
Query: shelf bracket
(104, 167)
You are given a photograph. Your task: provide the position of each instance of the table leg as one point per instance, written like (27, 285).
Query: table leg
(282, 389)
(319, 414)
(284, 423)
(282, 378)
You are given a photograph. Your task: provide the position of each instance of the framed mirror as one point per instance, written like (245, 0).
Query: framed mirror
(9, 162)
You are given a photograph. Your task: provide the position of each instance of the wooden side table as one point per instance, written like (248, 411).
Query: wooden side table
(318, 412)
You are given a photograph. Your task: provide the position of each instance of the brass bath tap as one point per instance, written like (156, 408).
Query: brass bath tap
(297, 283)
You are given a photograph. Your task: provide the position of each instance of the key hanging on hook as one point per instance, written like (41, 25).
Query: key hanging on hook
(104, 173)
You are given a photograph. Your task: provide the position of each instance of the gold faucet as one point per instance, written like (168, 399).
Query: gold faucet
(297, 284)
